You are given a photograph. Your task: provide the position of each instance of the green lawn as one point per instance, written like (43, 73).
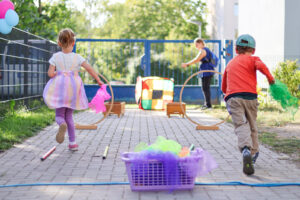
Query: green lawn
(289, 146)
(14, 128)
(271, 116)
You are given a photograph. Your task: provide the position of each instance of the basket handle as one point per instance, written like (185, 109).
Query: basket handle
(125, 156)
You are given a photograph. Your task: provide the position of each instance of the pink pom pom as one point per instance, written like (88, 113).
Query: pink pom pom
(4, 6)
(97, 103)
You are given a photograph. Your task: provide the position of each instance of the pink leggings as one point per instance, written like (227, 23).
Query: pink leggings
(65, 115)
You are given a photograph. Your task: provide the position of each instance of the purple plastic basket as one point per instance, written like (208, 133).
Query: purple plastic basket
(150, 175)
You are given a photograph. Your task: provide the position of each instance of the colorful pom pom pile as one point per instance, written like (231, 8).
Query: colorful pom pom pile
(169, 151)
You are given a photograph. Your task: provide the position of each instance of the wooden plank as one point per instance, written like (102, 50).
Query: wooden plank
(207, 127)
(85, 127)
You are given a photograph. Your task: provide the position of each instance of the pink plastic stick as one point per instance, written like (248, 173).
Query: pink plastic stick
(48, 153)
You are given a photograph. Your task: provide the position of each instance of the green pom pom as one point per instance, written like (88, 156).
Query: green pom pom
(280, 93)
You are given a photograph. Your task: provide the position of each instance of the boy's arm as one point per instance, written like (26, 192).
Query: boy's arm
(224, 83)
(92, 72)
(264, 70)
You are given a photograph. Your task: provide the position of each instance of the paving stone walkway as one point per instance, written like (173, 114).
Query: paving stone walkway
(22, 164)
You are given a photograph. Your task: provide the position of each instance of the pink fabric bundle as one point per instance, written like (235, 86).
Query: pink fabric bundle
(97, 103)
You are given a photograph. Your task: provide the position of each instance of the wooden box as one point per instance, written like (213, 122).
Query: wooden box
(118, 108)
(174, 108)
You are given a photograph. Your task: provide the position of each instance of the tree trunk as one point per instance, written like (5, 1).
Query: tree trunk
(40, 7)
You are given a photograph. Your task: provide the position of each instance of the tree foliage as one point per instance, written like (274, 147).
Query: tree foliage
(154, 19)
(132, 19)
(47, 21)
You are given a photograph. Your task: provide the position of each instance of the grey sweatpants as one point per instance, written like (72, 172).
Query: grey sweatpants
(244, 113)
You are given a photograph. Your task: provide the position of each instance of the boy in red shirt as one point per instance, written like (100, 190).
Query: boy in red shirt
(239, 86)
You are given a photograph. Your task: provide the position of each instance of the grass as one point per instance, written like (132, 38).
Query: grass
(289, 146)
(266, 116)
(14, 128)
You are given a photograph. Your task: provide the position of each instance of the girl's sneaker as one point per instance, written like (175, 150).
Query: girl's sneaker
(73, 147)
(60, 136)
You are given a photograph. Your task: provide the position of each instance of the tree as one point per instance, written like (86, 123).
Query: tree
(154, 19)
(149, 19)
(46, 19)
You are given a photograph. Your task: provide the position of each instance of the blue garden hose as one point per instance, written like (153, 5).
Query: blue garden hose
(235, 183)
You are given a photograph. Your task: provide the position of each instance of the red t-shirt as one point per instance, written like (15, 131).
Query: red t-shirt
(240, 75)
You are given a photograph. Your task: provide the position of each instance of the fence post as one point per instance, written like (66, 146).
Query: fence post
(74, 48)
(228, 50)
(26, 55)
(48, 55)
(147, 50)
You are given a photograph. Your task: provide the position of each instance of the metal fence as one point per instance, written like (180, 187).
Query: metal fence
(23, 66)
(24, 62)
(122, 60)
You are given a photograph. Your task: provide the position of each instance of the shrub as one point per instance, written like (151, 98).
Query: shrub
(288, 72)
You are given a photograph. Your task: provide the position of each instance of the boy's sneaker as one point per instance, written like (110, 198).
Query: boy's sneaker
(254, 157)
(247, 161)
(73, 147)
(60, 136)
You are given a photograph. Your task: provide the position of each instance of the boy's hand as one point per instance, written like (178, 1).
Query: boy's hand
(272, 82)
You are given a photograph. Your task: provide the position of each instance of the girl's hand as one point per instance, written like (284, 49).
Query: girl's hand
(184, 65)
(100, 83)
(52, 75)
(51, 71)
(92, 72)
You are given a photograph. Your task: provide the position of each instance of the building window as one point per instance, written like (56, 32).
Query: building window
(236, 9)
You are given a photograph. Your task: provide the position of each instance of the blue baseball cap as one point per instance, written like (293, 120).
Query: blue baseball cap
(246, 40)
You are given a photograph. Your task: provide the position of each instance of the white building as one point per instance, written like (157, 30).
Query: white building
(273, 23)
(222, 19)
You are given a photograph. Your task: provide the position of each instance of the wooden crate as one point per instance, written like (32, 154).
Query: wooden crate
(118, 108)
(174, 108)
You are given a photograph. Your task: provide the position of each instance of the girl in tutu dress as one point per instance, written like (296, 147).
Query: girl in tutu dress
(64, 92)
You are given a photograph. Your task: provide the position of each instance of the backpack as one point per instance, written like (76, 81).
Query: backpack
(213, 59)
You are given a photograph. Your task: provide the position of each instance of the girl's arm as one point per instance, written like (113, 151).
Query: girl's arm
(92, 72)
(51, 71)
(197, 59)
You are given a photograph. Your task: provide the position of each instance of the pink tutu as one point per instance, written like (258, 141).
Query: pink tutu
(97, 103)
(65, 90)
